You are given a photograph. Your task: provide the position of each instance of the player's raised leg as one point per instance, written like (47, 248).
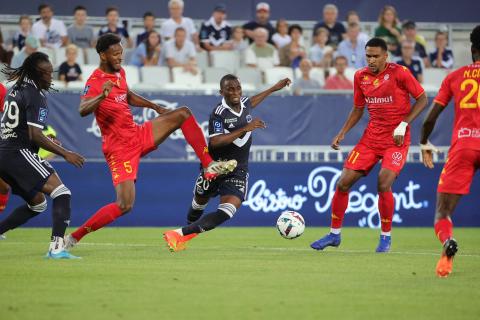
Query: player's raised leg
(446, 203)
(339, 207)
(125, 198)
(386, 207)
(182, 118)
(177, 239)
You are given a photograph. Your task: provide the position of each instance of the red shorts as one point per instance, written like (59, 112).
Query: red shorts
(123, 163)
(364, 158)
(458, 171)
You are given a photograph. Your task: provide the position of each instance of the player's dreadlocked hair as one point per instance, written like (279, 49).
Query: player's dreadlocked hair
(227, 77)
(29, 70)
(107, 40)
(475, 40)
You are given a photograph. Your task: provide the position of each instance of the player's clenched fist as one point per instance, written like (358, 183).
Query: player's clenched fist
(336, 141)
(281, 84)
(107, 87)
(75, 159)
(255, 124)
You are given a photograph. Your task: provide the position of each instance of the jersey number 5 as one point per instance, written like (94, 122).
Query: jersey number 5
(128, 167)
(465, 103)
(12, 112)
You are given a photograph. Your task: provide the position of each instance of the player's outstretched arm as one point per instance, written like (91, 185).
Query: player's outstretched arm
(227, 138)
(137, 100)
(427, 128)
(89, 105)
(353, 118)
(257, 99)
(417, 108)
(37, 136)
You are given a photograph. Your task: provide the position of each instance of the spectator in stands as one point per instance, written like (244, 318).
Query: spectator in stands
(413, 63)
(6, 53)
(148, 25)
(305, 82)
(180, 52)
(216, 32)
(353, 48)
(336, 29)
(79, 33)
(261, 54)
(31, 46)
(176, 20)
(70, 70)
(281, 38)
(442, 57)
(320, 54)
(25, 29)
(409, 30)
(148, 53)
(262, 21)
(388, 26)
(291, 54)
(353, 17)
(51, 32)
(115, 26)
(339, 81)
(239, 43)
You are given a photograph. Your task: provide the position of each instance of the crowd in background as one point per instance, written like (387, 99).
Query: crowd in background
(259, 43)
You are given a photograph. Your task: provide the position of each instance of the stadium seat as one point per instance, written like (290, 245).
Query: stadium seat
(273, 75)
(461, 53)
(132, 75)
(91, 56)
(249, 76)
(213, 75)
(186, 79)
(229, 60)
(202, 59)
(432, 78)
(87, 70)
(155, 75)
(316, 74)
(127, 55)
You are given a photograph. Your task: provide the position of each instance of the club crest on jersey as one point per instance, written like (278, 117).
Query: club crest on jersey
(42, 114)
(386, 77)
(397, 158)
(249, 118)
(85, 91)
(376, 82)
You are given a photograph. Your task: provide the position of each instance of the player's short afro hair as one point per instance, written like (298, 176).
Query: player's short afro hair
(226, 78)
(475, 38)
(377, 42)
(107, 40)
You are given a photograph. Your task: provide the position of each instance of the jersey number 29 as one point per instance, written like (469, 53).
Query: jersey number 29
(11, 111)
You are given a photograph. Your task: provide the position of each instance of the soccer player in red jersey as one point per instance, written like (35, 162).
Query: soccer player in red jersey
(463, 85)
(107, 95)
(4, 187)
(386, 89)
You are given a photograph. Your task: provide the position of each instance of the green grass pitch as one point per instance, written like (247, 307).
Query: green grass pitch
(238, 273)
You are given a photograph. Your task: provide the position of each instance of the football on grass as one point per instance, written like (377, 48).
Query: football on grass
(290, 224)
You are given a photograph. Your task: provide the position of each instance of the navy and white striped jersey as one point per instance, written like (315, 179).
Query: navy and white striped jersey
(224, 120)
(23, 106)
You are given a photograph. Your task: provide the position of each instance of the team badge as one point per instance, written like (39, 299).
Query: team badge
(42, 114)
(376, 82)
(386, 77)
(249, 118)
(217, 127)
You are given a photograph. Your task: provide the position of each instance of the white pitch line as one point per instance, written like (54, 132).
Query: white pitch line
(160, 245)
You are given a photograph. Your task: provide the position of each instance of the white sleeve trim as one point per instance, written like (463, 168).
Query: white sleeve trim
(35, 125)
(215, 134)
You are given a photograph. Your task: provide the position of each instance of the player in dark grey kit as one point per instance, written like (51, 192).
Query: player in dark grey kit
(29, 176)
(230, 137)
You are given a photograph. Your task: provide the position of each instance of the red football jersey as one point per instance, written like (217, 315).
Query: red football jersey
(464, 85)
(113, 115)
(387, 96)
(3, 93)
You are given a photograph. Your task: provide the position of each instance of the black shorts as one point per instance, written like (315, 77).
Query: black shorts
(24, 171)
(234, 184)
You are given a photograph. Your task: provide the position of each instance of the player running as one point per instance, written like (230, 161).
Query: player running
(464, 154)
(4, 187)
(107, 96)
(386, 89)
(230, 136)
(29, 176)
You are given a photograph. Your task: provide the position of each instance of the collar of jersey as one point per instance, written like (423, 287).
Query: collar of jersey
(116, 75)
(217, 27)
(225, 105)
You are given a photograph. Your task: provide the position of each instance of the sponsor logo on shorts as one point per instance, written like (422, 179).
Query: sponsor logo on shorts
(121, 97)
(397, 158)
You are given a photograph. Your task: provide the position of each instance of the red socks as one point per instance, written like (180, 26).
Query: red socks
(101, 218)
(194, 136)
(386, 207)
(339, 206)
(444, 229)
(3, 200)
